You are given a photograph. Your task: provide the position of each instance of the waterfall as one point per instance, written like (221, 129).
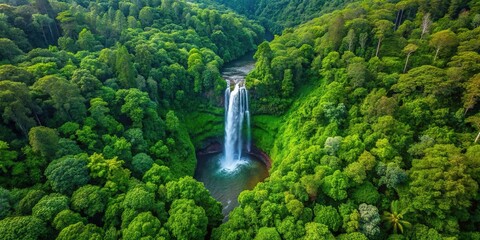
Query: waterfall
(247, 114)
(227, 100)
(236, 110)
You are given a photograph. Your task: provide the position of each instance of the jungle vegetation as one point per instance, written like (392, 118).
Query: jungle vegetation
(369, 111)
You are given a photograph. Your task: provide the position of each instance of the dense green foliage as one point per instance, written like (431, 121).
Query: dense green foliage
(380, 123)
(370, 114)
(280, 14)
(93, 142)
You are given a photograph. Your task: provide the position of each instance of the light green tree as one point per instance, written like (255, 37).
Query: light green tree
(442, 40)
(187, 220)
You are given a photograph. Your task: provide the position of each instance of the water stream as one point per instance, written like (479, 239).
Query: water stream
(237, 111)
(226, 174)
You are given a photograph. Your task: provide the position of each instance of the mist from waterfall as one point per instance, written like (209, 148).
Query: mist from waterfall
(236, 112)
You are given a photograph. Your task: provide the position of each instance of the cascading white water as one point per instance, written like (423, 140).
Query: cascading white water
(236, 110)
(247, 114)
(227, 100)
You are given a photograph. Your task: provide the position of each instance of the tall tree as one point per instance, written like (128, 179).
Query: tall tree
(335, 31)
(475, 121)
(362, 40)
(144, 57)
(146, 16)
(86, 40)
(426, 24)
(409, 49)
(287, 83)
(472, 93)
(351, 39)
(7, 161)
(68, 24)
(382, 29)
(15, 105)
(124, 68)
(195, 69)
(441, 40)
(42, 21)
(264, 56)
(44, 7)
(135, 104)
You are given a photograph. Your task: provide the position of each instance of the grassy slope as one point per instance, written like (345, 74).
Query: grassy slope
(205, 124)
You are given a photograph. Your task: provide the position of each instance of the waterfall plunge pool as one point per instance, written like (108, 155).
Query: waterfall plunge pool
(225, 185)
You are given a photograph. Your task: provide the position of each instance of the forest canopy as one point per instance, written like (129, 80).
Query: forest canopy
(93, 142)
(368, 109)
(377, 126)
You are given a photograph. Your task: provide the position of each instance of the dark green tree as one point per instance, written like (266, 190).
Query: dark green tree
(124, 68)
(43, 140)
(8, 49)
(66, 174)
(25, 205)
(89, 200)
(64, 96)
(5, 200)
(16, 105)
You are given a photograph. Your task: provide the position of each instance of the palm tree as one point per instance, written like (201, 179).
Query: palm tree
(395, 218)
